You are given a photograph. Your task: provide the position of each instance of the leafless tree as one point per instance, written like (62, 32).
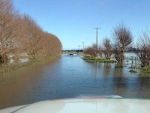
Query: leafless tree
(118, 54)
(144, 49)
(51, 45)
(100, 52)
(92, 51)
(33, 36)
(107, 48)
(123, 39)
(20, 37)
(20, 33)
(7, 31)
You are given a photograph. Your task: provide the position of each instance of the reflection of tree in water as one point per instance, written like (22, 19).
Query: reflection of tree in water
(97, 67)
(118, 72)
(144, 82)
(107, 69)
(144, 86)
(120, 86)
(119, 81)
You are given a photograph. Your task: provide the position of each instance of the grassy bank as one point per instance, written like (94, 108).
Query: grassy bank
(145, 71)
(10, 67)
(102, 60)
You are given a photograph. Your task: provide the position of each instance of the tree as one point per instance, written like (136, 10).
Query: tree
(107, 48)
(33, 36)
(118, 54)
(7, 29)
(51, 45)
(144, 49)
(21, 34)
(123, 39)
(92, 51)
(20, 42)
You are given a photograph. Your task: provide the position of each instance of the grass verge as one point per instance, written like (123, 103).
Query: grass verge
(102, 60)
(10, 67)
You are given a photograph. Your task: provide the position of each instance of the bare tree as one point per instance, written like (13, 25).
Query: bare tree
(51, 45)
(144, 49)
(107, 48)
(20, 33)
(7, 30)
(19, 37)
(33, 36)
(92, 51)
(118, 54)
(100, 52)
(123, 39)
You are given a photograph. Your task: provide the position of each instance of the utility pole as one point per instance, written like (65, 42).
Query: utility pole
(79, 47)
(96, 36)
(83, 46)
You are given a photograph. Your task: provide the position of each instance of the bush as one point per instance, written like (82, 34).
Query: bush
(133, 71)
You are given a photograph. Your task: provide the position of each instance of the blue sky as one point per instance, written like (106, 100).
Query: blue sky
(73, 21)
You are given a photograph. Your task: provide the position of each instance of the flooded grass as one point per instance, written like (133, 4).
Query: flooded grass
(15, 66)
(102, 60)
(133, 71)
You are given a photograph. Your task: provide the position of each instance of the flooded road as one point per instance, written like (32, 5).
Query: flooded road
(70, 77)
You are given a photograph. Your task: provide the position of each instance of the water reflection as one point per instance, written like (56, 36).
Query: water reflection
(70, 77)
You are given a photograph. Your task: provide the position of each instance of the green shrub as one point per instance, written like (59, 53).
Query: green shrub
(146, 68)
(133, 71)
(141, 74)
(102, 60)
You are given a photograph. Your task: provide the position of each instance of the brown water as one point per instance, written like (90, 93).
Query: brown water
(70, 77)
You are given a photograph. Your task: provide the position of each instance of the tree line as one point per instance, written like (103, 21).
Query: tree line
(19, 33)
(121, 41)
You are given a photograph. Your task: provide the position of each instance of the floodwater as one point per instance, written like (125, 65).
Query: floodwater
(70, 77)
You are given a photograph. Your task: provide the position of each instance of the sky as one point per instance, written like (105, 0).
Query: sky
(73, 21)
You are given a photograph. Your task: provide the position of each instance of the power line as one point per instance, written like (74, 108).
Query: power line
(116, 12)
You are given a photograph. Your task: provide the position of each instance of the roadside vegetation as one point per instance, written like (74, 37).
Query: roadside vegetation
(102, 60)
(112, 51)
(20, 34)
(122, 39)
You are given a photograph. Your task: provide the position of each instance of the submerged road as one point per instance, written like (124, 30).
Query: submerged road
(70, 77)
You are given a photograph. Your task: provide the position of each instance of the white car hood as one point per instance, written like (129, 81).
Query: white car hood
(97, 105)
